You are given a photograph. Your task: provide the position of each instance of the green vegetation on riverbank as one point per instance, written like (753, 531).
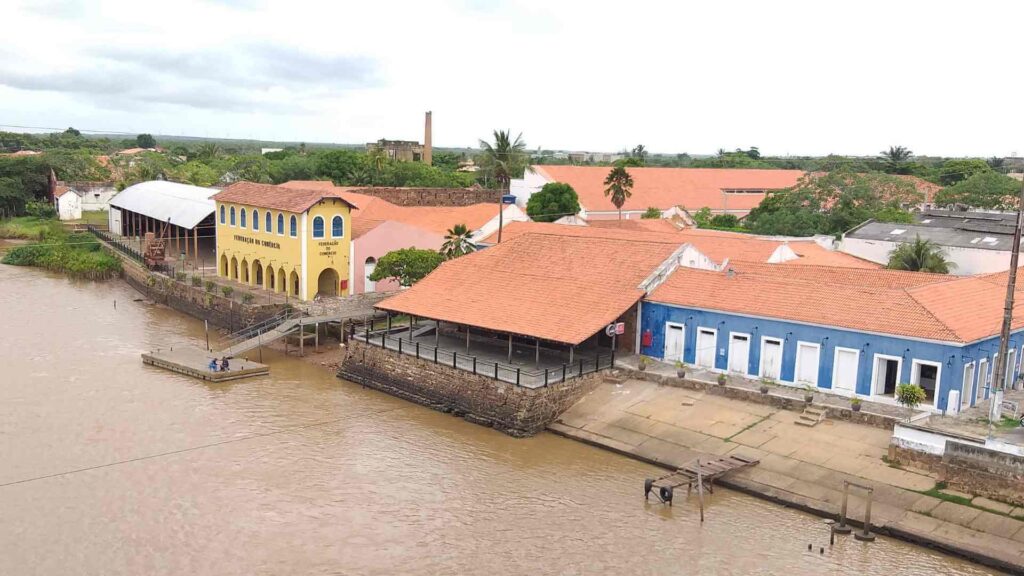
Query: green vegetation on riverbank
(77, 255)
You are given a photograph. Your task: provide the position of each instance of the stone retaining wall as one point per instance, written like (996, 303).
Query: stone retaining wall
(434, 196)
(783, 402)
(512, 409)
(194, 301)
(984, 472)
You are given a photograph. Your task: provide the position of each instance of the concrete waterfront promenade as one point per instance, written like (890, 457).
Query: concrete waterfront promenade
(799, 466)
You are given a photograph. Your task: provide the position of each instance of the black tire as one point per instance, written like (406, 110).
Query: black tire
(666, 494)
(648, 483)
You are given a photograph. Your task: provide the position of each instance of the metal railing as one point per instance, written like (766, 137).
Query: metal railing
(262, 327)
(124, 247)
(536, 378)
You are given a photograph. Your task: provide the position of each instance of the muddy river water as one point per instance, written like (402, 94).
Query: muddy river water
(111, 467)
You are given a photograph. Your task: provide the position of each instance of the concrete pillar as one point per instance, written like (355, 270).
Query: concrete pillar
(428, 147)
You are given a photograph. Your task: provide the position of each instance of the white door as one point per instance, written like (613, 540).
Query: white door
(844, 377)
(706, 348)
(739, 353)
(979, 390)
(673, 342)
(368, 268)
(807, 364)
(771, 359)
(1011, 358)
(965, 389)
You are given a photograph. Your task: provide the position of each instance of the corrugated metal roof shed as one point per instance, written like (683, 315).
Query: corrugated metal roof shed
(180, 204)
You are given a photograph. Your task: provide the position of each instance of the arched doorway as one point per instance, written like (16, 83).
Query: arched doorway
(368, 268)
(271, 285)
(327, 283)
(245, 271)
(224, 264)
(282, 280)
(293, 283)
(257, 273)
(234, 268)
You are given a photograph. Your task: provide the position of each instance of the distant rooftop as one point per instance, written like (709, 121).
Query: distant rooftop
(984, 230)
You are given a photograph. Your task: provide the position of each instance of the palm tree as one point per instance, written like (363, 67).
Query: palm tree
(505, 158)
(378, 158)
(208, 151)
(920, 256)
(457, 242)
(895, 158)
(619, 185)
(640, 151)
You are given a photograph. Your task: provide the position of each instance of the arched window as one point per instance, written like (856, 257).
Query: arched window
(293, 227)
(222, 214)
(241, 219)
(268, 227)
(318, 227)
(337, 227)
(280, 224)
(255, 221)
(232, 215)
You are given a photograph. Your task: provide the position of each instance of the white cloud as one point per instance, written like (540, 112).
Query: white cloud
(789, 77)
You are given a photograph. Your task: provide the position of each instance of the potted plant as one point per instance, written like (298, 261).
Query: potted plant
(247, 298)
(855, 404)
(722, 379)
(909, 395)
(808, 393)
(642, 363)
(680, 369)
(766, 383)
(227, 290)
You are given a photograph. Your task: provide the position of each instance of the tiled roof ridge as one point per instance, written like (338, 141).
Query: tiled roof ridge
(955, 335)
(758, 265)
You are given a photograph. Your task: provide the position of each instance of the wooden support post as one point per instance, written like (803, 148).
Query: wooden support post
(572, 348)
(186, 242)
(195, 245)
(437, 333)
(467, 338)
(510, 348)
(536, 348)
(389, 323)
(302, 338)
(316, 339)
(177, 240)
(700, 490)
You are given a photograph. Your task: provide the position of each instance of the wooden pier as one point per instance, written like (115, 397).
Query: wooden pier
(701, 473)
(196, 363)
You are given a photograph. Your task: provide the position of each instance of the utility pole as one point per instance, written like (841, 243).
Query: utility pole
(998, 379)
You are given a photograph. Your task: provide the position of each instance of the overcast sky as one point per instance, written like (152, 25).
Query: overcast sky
(848, 77)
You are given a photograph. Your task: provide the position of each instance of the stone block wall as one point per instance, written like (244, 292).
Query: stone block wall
(511, 409)
(194, 301)
(984, 472)
(434, 196)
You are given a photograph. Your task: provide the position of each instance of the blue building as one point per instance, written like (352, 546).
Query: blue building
(848, 331)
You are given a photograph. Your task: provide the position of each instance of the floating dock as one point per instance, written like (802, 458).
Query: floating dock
(196, 363)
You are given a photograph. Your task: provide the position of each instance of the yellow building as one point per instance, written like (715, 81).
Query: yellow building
(284, 239)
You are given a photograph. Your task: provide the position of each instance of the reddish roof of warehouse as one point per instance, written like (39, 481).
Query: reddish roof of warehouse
(549, 286)
(929, 306)
(663, 188)
(284, 198)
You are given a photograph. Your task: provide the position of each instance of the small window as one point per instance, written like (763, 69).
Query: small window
(280, 224)
(241, 219)
(293, 227)
(318, 227)
(232, 215)
(222, 215)
(268, 227)
(337, 227)
(255, 220)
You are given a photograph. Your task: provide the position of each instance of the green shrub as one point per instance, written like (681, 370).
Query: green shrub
(209, 286)
(180, 276)
(247, 298)
(227, 291)
(77, 255)
(197, 281)
(909, 395)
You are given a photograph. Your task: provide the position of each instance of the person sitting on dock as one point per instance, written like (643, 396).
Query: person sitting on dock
(224, 367)
(213, 365)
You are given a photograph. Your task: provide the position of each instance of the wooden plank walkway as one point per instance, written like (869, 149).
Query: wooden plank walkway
(196, 363)
(707, 469)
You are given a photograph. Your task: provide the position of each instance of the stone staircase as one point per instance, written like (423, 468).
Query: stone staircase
(810, 416)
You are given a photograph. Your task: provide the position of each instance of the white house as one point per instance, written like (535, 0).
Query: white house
(67, 203)
(70, 199)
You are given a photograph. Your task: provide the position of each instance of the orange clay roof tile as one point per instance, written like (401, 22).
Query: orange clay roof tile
(284, 198)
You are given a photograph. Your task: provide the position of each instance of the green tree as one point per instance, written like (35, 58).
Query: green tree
(341, 166)
(457, 242)
(651, 213)
(504, 159)
(920, 256)
(407, 265)
(293, 167)
(984, 190)
(957, 170)
(553, 201)
(702, 217)
(619, 187)
(72, 132)
(725, 221)
(640, 152)
(896, 159)
(208, 151)
(145, 141)
(195, 173)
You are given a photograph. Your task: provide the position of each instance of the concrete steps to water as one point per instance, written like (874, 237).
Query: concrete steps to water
(811, 416)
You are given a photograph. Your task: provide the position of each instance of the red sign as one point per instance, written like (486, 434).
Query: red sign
(620, 328)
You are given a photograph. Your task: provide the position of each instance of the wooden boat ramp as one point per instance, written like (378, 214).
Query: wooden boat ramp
(700, 473)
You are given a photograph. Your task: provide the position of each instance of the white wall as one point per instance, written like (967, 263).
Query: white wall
(523, 188)
(511, 213)
(114, 221)
(69, 206)
(968, 261)
(96, 199)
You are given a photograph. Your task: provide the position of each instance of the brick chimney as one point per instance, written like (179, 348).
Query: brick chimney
(428, 150)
